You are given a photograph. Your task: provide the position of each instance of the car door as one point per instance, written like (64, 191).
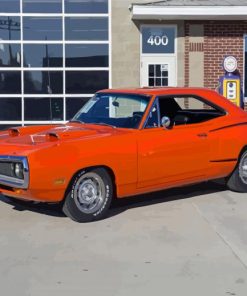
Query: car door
(179, 154)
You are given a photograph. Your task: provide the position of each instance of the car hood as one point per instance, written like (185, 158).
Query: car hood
(35, 137)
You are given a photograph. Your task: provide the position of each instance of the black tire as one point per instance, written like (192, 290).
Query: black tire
(89, 196)
(238, 181)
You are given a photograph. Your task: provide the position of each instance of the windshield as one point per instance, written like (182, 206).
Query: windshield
(118, 110)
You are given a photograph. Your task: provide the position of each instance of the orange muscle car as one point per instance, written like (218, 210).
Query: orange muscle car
(123, 143)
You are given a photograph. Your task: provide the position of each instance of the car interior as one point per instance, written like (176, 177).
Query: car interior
(180, 110)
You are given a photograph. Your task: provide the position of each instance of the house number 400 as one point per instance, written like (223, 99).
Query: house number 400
(158, 40)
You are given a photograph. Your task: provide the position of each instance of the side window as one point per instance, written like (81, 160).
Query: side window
(153, 118)
(184, 110)
(192, 104)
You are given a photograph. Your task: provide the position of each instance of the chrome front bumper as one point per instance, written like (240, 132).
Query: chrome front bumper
(12, 181)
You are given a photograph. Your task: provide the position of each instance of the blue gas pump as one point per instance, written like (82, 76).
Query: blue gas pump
(230, 84)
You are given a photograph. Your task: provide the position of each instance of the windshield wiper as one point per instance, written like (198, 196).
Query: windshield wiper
(102, 123)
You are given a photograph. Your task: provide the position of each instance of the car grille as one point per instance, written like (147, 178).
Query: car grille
(10, 174)
(6, 169)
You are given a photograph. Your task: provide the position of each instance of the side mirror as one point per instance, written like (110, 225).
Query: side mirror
(166, 122)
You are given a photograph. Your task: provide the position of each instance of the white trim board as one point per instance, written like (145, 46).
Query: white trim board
(141, 12)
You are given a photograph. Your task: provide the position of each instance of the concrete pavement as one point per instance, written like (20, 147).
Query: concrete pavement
(189, 241)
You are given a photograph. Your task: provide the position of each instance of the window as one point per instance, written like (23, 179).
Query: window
(182, 110)
(43, 55)
(158, 75)
(10, 55)
(73, 105)
(10, 28)
(10, 109)
(190, 103)
(77, 28)
(120, 110)
(54, 55)
(87, 55)
(4, 127)
(86, 6)
(43, 109)
(10, 82)
(9, 5)
(42, 6)
(79, 82)
(127, 106)
(42, 28)
(43, 82)
(158, 39)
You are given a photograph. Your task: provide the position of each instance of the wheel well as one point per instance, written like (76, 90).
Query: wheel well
(109, 171)
(242, 151)
(239, 156)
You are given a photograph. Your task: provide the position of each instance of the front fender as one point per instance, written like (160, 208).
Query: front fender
(54, 167)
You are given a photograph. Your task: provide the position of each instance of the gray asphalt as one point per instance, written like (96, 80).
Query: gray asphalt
(190, 241)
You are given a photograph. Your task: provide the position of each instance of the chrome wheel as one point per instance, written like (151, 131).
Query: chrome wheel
(243, 168)
(89, 193)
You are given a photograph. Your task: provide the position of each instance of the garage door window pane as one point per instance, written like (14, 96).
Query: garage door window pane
(77, 28)
(9, 5)
(4, 127)
(87, 55)
(86, 6)
(43, 82)
(42, 6)
(10, 109)
(10, 82)
(43, 109)
(73, 105)
(86, 82)
(40, 55)
(10, 55)
(42, 28)
(10, 28)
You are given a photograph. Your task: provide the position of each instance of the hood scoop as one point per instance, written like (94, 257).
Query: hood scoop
(51, 137)
(53, 133)
(68, 133)
(26, 130)
(14, 132)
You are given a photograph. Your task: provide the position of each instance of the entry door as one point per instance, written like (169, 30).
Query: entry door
(158, 71)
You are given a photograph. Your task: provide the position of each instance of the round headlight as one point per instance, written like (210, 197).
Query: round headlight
(19, 170)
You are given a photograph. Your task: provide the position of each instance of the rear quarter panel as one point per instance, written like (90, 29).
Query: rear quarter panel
(229, 138)
(232, 139)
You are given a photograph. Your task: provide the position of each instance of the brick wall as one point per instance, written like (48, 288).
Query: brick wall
(221, 38)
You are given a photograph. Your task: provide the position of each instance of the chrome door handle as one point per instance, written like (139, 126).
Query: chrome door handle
(202, 135)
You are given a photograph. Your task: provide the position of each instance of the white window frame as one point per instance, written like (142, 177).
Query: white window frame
(63, 69)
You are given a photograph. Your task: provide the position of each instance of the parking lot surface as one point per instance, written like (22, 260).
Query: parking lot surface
(189, 241)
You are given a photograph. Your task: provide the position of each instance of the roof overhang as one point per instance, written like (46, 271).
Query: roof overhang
(149, 12)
